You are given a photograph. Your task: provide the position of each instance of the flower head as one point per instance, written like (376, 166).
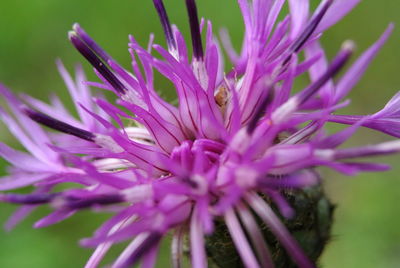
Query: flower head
(239, 148)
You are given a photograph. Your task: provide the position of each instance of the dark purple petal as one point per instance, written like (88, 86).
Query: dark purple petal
(28, 199)
(340, 60)
(311, 26)
(162, 13)
(58, 125)
(195, 29)
(260, 110)
(96, 62)
(85, 202)
(91, 43)
(150, 242)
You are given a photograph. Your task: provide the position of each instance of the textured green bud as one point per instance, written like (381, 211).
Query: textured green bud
(310, 226)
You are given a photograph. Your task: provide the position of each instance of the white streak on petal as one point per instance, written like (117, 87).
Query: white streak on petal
(198, 253)
(134, 245)
(240, 240)
(108, 143)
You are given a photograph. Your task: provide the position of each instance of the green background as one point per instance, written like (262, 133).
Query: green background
(34, 33)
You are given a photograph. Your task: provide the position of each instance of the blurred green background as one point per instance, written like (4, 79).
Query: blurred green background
(33, 34)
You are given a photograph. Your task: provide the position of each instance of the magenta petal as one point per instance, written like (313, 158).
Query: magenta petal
(356, 71)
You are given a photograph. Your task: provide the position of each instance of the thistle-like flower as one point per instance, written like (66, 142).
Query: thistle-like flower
(230, 171)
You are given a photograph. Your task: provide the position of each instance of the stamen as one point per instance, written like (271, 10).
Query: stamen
(58, 125)
(309, 29)
(93, 200)
(337, 64)
(162, 13)
(91, 43)
(151, 241)
(195, 29)
(313, 24)
(96, 62)
(260, 111)
(28, 199)
(285, 110)
(60, 201)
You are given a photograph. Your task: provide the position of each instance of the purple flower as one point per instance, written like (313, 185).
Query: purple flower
(229, 152)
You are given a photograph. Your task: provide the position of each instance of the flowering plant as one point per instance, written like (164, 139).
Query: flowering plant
(234, 164)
